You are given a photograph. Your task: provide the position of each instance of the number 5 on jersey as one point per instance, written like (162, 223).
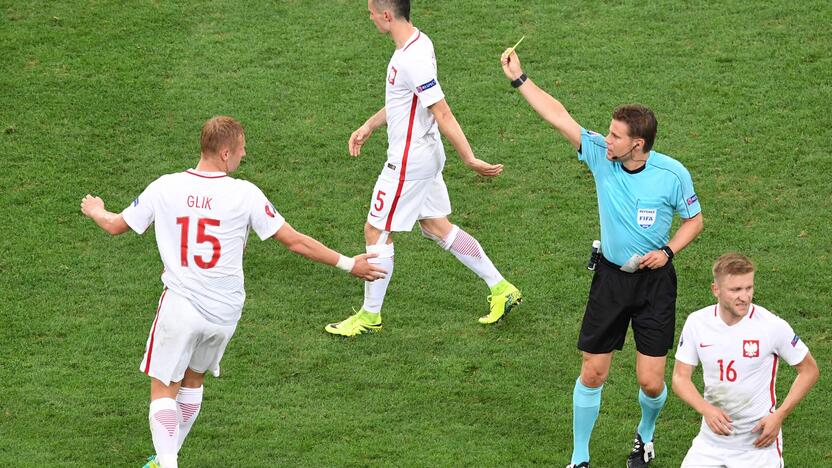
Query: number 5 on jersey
(201, 237)
(379, 204)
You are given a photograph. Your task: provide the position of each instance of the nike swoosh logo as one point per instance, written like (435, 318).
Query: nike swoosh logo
(704, 345)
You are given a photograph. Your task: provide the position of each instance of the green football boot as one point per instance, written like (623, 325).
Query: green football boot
(152, 463)
(356, 324)
(504, 297)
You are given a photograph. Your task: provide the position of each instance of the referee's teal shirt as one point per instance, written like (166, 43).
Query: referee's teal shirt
(636, 208)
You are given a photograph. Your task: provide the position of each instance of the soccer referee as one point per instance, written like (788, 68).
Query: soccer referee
(638, 192)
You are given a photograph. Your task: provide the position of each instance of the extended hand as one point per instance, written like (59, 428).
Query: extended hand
(653, 259)
(366, 270)
(717, 420)
(90, 205)
(483, 168)
(358, 138)
(769, 428)
(511, 64)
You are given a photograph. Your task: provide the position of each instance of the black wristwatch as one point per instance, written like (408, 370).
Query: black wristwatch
(519, 81)
(667, 251)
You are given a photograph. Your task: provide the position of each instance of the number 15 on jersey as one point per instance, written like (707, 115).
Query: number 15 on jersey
(184, 223)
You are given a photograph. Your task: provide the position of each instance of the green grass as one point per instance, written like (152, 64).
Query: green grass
(105, 96)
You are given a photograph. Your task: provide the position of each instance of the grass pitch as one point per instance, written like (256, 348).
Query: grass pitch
(105, 96)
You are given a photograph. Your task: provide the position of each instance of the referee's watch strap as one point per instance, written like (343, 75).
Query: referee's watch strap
(667, 251)
(519, 81)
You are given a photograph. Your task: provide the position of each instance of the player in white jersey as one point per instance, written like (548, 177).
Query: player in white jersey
(410, 187)
(202, 220)
(739, 345)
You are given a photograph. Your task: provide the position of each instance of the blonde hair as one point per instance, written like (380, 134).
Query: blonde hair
(732, 264)
(218, 132)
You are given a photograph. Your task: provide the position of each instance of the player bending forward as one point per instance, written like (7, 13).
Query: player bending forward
(202, 219)
(739, 345)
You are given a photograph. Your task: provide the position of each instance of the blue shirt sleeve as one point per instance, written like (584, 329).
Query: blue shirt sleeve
(593, 150)
(686, 203)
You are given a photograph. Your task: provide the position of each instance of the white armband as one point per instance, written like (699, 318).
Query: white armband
(345, 263)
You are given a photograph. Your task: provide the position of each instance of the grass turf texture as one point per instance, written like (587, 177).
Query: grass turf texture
(104, 97)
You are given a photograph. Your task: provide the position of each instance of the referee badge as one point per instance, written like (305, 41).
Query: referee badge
(646, 217)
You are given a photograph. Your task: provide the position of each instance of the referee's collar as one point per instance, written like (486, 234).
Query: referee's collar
(641, 168)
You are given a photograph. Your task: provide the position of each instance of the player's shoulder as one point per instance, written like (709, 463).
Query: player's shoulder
(167, 180)
(762, 315)
(591, 140)
(702, 315)
(418, 48)
(667, 163)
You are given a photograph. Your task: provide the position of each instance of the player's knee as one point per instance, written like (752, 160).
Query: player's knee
(593, 377)
(652, 386)
(193, 379)
(381, 250)
(445, 241)
(371, 234)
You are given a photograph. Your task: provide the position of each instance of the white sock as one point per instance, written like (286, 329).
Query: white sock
(189, 400)
(164, 429)
(467, 250)
(374, 291)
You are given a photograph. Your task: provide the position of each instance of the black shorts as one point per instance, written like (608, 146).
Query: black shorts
(648, 297)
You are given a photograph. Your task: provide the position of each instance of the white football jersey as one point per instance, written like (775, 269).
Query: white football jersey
(202, 223)
(739, 366)
(414, 148)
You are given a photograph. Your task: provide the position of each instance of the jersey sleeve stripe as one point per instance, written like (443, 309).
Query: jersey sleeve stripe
(404, 163)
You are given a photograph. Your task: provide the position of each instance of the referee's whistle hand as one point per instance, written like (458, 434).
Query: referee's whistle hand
(653, 259)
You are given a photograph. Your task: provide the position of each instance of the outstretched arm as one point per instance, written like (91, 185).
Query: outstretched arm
(312, 249)
(769, 426)
(717, 420)
(93, 208)
(548, 107)
(360, 136)
(450, 128)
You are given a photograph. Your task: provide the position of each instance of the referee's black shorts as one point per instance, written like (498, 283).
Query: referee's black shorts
(647, 297)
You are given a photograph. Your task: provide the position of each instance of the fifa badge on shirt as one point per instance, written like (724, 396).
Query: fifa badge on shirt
(750, 348)
(795, 340)
(269, 212)
(692, 199)
(391, 75)
(646, 217)
(136, 202)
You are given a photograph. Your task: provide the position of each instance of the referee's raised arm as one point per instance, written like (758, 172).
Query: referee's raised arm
(547, 106)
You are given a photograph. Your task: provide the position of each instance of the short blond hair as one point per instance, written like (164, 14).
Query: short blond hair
(220, 131)
(732, 264)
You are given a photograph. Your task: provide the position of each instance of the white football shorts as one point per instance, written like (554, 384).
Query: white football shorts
(703, 454)
(397, 205)
(182, 338)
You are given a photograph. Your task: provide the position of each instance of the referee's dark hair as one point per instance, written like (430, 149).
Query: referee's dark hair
(641, 122)
(400, 8)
